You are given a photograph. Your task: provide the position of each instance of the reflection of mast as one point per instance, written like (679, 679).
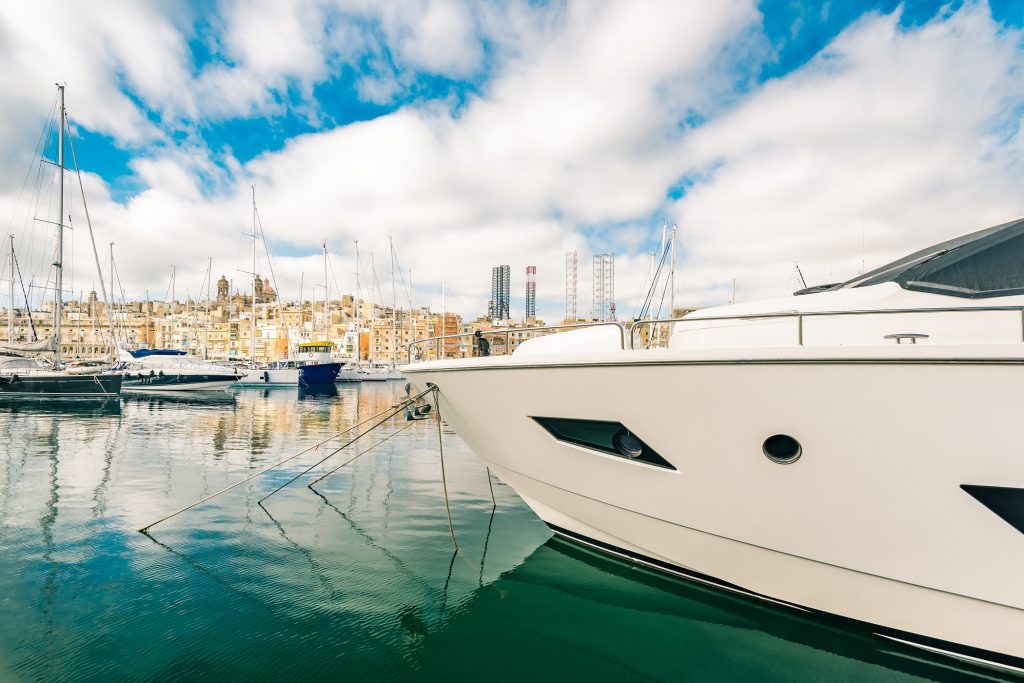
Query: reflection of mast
(46, 523)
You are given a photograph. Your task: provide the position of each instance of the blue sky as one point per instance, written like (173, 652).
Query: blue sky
(485, 133)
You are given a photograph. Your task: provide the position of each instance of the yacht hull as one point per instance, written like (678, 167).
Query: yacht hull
(869, 525)
(318, 373)
(274, 377)
(146, 383)
(60, 386)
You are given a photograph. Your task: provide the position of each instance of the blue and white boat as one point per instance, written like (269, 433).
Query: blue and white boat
(315, 365)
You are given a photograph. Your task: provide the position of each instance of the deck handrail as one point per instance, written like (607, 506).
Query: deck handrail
(639, 324)
(800, 315)
(507, 333)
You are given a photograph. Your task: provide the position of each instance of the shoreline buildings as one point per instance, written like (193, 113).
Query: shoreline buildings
(222, 329)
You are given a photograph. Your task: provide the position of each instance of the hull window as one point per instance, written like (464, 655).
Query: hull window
(1006, 502)
(612, 438)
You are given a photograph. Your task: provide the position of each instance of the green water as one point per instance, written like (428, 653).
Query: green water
(356, 582)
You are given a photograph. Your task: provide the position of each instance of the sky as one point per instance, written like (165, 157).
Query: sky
(836, 135)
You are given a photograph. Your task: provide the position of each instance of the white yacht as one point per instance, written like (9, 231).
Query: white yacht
(160, 370)
(853, 452)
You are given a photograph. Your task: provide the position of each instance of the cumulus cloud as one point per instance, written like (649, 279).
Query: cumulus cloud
(887, 141)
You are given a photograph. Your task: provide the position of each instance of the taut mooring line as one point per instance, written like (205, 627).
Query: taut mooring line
(145, 529)
(358, 455)
(444, 479)
(394, 411)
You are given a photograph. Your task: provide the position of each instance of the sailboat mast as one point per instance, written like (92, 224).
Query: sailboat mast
(10, 300)
(672, 279)
(327, 298)
(359, 349)
(394, 308)
(252, 346)
(58, 302)
(112, 274)
(206, 335)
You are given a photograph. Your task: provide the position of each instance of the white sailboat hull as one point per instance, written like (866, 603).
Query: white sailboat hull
(869, 525)
(281, 377)
(347, 374)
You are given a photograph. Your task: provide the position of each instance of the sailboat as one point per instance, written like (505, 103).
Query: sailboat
(278, 374)
(22, 374)
(352, 371)
(314, 357)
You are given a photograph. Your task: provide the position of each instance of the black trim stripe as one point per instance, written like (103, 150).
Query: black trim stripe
(966, 653)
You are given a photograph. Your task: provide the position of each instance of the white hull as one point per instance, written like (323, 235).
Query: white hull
(282, 377)
(870, 524)
(346, 375)
(175, 388)
(375, 376)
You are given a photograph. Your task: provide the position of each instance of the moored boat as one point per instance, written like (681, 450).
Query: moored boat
(29, 378)
(349, 372)
(851, 452)
(158, 370)
(276, 374)
(23, 373)
(315, 364)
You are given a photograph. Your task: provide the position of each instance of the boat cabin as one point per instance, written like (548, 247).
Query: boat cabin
(314, 352)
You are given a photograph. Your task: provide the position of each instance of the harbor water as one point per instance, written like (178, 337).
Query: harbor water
(352, 579)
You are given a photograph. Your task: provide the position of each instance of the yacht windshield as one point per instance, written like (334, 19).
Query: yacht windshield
(983, 264)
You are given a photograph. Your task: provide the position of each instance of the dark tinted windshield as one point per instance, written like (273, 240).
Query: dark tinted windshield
(983, 264)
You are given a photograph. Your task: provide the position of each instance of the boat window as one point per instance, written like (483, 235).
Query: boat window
(612, 438)
(984, 264)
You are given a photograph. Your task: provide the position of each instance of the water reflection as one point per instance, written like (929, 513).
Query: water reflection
(354, 574)
(195, 399)
(83, 407)
(586, 616)
(318, 391)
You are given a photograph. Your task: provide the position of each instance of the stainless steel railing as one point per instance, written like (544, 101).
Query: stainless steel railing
(800, 316)
(428, 348)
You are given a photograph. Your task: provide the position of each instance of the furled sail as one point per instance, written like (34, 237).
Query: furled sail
(41, 346)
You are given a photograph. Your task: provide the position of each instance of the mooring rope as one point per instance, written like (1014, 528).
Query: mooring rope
(145, 529)
(444, 479)
(399, 408)
(490, 485)
(358, 455)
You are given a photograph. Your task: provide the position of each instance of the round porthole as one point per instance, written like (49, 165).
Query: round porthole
(782, 449)
(627, 444)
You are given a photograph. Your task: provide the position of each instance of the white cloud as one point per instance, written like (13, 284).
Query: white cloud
(888, 141)
(77, 43)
